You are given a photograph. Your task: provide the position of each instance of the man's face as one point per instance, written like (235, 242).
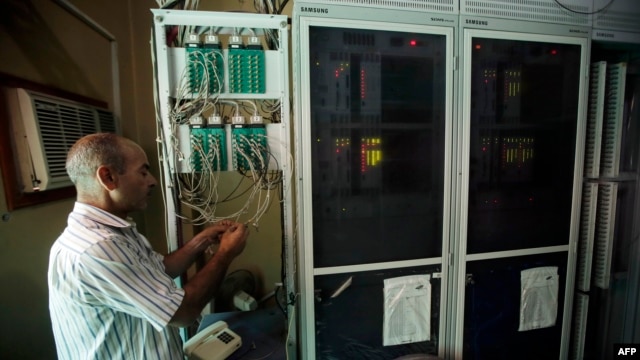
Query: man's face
(135, 184)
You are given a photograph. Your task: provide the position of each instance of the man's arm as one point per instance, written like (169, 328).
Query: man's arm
(201, 288)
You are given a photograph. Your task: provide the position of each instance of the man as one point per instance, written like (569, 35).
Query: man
(110, 295)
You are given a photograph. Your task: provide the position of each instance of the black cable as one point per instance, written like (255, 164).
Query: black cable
(172, 4)
(284, 3)
(229, 198)
(277, 298)
(583, 12)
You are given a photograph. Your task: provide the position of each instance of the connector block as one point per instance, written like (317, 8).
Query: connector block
(192, 40)
(249, 146)
(214, 120)
(208, 149)
(195, 67)
(218, 135)
(246, 71)
(255, 119)
(212, 41)
(215, 69)
(237, 120)
(235, 42)
(205, 65)
(253, 43)
(196, 121)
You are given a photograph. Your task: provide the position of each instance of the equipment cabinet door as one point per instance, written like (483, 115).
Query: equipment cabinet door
(523, 100)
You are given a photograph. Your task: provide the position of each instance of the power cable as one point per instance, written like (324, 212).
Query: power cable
(584, 12)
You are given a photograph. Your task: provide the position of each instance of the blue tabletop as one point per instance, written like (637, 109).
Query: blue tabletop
(263, 332)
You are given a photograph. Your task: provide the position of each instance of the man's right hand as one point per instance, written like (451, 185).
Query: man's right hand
(200, 289)
(233, 241)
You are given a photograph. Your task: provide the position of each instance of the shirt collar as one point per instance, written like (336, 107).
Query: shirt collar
(101, 216)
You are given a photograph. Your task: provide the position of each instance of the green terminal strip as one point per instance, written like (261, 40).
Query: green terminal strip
(247, 69)
(249, 143)
(208, 148)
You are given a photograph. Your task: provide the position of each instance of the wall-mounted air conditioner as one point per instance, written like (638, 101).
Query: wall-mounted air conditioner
(44, 129)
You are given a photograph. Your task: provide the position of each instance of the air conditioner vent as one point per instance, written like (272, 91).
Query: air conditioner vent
(45, 127)
(107, 121)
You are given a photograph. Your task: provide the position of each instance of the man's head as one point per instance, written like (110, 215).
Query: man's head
(110, 172)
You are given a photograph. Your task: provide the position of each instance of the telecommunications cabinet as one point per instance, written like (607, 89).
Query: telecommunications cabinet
(523, 99)
(223, 111)
(374, 107)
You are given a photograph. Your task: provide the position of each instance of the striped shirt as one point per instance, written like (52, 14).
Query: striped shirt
(109, 297)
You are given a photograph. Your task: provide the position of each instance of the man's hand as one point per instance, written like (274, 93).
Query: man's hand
(234, 239)
(201, 288)
(210, 235)
(177, 262)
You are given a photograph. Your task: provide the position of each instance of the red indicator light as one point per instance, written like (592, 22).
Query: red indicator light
(478, 46)
(554, 52)
(413, 43)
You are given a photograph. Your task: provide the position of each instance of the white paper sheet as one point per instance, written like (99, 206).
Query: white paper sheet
(538, 298)
(407, 309)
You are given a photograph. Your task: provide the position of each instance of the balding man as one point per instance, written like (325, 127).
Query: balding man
(111, 296)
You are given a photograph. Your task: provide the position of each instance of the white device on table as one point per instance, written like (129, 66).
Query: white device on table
(215, 342)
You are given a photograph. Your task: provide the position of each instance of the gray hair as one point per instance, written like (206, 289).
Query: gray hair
(92, 151)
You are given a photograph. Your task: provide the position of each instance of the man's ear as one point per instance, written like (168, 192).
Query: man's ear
(107, 178)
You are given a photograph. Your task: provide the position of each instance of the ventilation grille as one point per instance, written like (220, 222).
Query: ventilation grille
(579, 326)
(45, 128)
(607, 198)
(587, 235)
(594, 121)
(60, 126)
(441, 6)
(620, 15)
(612, 132)
(531, 10)
(106, 121)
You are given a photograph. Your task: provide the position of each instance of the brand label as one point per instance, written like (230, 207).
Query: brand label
(477, 22)
(605, 35)
(314, 10)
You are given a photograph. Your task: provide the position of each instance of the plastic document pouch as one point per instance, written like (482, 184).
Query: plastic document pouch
(215, 342)
(407, 309)
(538, 298)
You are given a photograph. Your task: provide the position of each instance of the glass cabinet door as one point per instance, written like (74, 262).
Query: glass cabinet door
(523, 121)
(377, 155)
(523, 97)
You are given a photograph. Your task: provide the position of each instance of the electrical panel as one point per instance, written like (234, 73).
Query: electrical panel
(222, 100)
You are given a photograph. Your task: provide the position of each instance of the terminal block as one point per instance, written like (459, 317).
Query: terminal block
(247, 68)
(205, 65)
(214, 63)
(249, 144)
(208, 148)
(195, 62)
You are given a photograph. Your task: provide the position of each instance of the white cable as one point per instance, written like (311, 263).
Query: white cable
(253, 104)
(291, 320)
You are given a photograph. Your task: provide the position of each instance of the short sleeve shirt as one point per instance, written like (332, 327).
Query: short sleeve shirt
(109, 296)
